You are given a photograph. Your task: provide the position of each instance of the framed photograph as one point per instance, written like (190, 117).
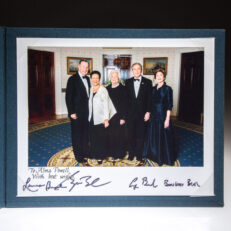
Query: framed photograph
(151, 64)
(41, 169)
(73, 62)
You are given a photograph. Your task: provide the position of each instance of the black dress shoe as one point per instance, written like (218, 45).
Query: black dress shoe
(131, 158)
(99, 161)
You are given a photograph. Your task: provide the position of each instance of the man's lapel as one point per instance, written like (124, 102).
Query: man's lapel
(133, 88)
(141, 87)
(89, 85)
(82, 84)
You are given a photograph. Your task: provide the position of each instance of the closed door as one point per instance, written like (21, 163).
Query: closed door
(41, 84)
(191, 87)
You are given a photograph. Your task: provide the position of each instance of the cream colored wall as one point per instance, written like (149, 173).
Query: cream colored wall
(137, 56)
(61, 76)
(76, 52)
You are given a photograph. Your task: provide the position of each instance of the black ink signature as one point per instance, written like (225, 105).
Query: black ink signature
(49, 186)
(30, 187)
(87, 181)
(132, 185)
(146, 183)
(167, 183)
(193, 184)
(135, 184)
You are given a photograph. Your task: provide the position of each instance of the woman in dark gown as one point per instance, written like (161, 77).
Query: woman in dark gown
(159, 144)
(117, 142)
(100, 112)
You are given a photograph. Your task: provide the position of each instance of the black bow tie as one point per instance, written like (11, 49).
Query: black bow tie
(136, 79)
(84, 77)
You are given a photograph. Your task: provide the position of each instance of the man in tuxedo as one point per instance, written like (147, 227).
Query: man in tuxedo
(77, 95)
(139, 91)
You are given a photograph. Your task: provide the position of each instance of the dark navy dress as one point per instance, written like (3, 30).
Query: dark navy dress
(159, 144)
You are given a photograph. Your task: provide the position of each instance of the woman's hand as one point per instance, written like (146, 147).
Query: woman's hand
(147, 116)
(166, 123)
(74, 116)
(106, 123)
(122, 122)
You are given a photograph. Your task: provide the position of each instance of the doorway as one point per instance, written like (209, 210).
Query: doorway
(120, 63)
(41, 85)
(191, 87)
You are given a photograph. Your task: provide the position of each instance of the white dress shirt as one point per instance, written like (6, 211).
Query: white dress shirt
(137, 85)
(85, 83)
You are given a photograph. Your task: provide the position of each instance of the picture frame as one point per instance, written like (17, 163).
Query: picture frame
(18, 39)
(73, 62)
(150, 64)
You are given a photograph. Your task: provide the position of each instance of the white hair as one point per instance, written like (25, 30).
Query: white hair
(112, 72)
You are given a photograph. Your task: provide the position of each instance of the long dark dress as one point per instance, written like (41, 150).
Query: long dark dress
(117, 138)
(159, 145)
(98, 139)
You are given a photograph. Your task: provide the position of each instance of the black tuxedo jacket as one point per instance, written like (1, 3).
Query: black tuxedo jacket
(142, 104)
(76, 96)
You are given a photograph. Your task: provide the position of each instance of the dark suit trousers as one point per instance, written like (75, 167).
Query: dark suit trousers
(79, 133)
(136, 132)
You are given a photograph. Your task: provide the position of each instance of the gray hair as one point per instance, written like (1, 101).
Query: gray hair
(137, 64)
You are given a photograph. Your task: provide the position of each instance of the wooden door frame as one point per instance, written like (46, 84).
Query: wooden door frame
(180, 82)
(53, 112)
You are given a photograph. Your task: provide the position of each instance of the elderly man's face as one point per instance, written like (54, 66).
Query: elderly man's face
(83, 68)
(114, 78)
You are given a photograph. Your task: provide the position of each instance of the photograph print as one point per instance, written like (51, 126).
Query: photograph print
(93, 129)
(157, 122)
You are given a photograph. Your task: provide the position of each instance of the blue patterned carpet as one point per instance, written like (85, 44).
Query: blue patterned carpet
(46, 142)
(190, 147)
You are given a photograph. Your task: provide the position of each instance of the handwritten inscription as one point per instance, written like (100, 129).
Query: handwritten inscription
(192, 184)
(69, 183)
(61, 179)
(167, 183)
(137, 183)
(31, 187)
(145, 182)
